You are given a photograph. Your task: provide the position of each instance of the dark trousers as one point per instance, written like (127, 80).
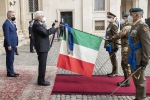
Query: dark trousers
(114, 62)
(42, 58)
(140, 83)
(16, 50)
(31, 44)
(61, 33)
(10, 59)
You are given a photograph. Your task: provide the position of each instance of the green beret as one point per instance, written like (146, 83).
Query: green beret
(125, 15)
(111, 14)
(135, 10)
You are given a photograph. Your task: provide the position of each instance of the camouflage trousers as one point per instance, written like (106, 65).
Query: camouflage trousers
(124, 63)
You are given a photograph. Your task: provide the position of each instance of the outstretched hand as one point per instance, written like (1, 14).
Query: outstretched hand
(109, 40)
(56, 25)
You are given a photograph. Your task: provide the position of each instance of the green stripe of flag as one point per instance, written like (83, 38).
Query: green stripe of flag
(85, 39)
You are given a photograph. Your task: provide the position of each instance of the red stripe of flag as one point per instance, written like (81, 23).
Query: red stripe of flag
(75, 65)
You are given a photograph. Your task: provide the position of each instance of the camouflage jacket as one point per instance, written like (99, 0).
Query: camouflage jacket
(123, 34)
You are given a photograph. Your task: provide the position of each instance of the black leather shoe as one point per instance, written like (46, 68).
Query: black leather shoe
(123, 85)
(17, 53)
(16, 73)
(109, 74)
(44, 83)
(32, 52)
(11, 75)
(112, 75)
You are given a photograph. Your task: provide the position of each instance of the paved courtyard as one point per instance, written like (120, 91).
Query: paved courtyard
(25, 58)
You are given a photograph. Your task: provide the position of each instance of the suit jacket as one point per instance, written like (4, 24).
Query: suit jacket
(62, 25)
(112, 30)
(30, 32)
(10, 34)
(140, 33)
(41, 36)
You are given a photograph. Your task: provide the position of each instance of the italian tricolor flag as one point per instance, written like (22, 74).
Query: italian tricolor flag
(78, 51)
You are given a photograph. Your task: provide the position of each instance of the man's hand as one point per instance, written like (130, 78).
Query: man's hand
(143, 64)
(9, 48)
(56, 25)
(109, 40)
(116, 49)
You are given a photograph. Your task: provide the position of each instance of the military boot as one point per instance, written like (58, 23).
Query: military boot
(126, 84)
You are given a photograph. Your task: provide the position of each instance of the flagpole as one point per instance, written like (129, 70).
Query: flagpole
(105, 62)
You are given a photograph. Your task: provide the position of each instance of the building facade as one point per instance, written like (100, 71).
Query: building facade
(86, 15)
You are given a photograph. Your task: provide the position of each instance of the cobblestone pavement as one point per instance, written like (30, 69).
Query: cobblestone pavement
(25, 58)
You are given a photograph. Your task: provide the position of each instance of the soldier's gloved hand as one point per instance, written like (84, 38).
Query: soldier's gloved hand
(143, 64)
(109, 40)
(116, 49)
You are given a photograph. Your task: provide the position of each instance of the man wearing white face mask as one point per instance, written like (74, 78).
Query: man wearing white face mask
(112, 30)
(44, 22)
(123, 35)
(138, 53)
(42, 45)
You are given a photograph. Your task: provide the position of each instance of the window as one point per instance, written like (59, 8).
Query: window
(99, 25)
(33, 5)
(99, 5)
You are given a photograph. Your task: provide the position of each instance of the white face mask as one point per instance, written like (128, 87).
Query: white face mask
(108, 20)
(122, 21)
(130, 18)
(44, 19)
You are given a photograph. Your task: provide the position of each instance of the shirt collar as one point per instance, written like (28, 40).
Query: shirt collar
(9, 20)
(40, 22)
(136, 22)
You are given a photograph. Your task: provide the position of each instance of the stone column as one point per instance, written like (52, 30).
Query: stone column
(128, 6)
(3, 7)
(135, 3)
(148, 11)
(141, 4)
(87, 11)
(115, 7)
(144, 6)
(23, 18)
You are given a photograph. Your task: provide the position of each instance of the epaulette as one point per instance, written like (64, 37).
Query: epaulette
(115, 24)
(145, 26)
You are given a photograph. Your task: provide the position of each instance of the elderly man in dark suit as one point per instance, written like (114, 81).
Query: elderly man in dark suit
(10, 42)
(42, 45)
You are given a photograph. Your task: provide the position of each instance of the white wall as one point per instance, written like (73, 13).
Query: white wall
(75, 6)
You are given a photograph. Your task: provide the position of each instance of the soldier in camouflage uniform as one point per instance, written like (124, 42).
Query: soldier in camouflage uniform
(139, 46)
(112, 30)
(123, 35)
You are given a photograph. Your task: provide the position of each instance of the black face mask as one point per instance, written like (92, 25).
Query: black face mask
(13, 19)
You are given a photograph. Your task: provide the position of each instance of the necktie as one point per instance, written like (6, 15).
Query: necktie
(13, 24)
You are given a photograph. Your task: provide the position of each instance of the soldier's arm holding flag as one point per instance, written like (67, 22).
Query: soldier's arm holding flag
(122, 33)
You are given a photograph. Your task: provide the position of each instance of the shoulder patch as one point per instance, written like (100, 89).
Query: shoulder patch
(145, 28)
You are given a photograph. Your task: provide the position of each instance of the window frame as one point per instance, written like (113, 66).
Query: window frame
(33, 6)
(100, 11)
